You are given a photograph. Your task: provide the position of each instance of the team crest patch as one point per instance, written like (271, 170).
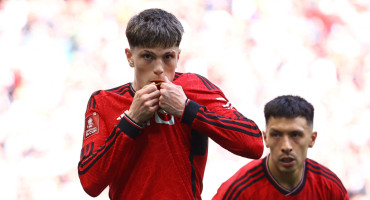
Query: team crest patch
(91, 125)
(162, 117)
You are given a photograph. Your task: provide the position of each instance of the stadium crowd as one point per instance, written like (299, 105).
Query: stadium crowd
(54, 54)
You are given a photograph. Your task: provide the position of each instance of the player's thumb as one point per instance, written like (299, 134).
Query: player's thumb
(166, 79)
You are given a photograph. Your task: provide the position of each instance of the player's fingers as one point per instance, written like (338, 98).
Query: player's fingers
(149, 88)
(154, 108)
(150, 102)
(146, 94)
(146, 89)
(166, 83)
(154, 94)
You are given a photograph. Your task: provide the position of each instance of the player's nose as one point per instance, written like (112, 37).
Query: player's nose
(158, 68)
(286, 145)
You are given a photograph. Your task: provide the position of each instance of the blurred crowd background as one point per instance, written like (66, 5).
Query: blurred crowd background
(55, 53)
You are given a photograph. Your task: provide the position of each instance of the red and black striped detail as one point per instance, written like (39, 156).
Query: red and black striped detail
(177, 75)
(90, 158)
(87, 151)
(199, 143)
(207, 83)
(121, 90)
(92, 102)
(85, 164)
(239, 185)
(195, 111)
(227, 123)
(316, 168)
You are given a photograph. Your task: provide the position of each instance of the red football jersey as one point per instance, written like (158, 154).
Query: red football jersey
(165, 159)
(254, 181)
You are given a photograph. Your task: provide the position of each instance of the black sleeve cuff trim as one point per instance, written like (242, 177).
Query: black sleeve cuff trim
(190, 112)
(129, 128)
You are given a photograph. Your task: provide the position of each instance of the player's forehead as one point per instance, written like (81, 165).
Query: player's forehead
(283, 124)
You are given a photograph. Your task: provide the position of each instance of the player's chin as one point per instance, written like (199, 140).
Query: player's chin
(287, 162)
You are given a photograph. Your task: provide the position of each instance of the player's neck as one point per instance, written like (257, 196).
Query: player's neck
(134, 86)
(290, 180)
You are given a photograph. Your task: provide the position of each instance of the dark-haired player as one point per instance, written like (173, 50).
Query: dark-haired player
(148, 139)
(286, 173)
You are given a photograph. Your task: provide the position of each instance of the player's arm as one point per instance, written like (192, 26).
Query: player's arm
(208, 111)
(105, 150)
(227, 127)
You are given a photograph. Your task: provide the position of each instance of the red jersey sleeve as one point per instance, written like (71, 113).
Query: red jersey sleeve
(209, 112)
(105, 151)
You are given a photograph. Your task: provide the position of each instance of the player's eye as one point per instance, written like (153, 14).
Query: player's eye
(274, 134)
(168, 57)
(296, 134)
(148, 57)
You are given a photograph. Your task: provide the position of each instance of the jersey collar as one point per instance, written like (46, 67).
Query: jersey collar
(279, 187)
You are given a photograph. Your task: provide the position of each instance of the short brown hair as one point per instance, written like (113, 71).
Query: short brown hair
(154, 28)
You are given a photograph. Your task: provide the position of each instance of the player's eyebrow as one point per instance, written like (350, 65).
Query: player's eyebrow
(149, 52)
(272, 130)
(166, 52)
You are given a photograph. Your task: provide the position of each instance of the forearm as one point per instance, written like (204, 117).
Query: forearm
(98, 164)
(239, 135)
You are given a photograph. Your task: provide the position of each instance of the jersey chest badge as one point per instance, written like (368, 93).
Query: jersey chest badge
(162, 117)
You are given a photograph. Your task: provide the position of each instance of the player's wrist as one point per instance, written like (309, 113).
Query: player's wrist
(135, 121)
(180, 111)
(183, 110)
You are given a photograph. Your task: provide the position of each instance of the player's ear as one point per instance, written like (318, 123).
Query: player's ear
(129, 57)
(265, 138)
(313, 139)
(178, 55)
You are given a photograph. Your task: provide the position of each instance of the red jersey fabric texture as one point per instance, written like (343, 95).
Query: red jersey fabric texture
(165, 159)
(254, 181)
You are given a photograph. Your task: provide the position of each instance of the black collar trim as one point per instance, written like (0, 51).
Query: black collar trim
(281, 188)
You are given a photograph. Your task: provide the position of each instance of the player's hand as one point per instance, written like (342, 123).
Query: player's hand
(145, 103)
(172, 98)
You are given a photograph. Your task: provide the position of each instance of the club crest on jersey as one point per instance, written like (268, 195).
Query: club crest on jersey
(91, 125)
(162, 117)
